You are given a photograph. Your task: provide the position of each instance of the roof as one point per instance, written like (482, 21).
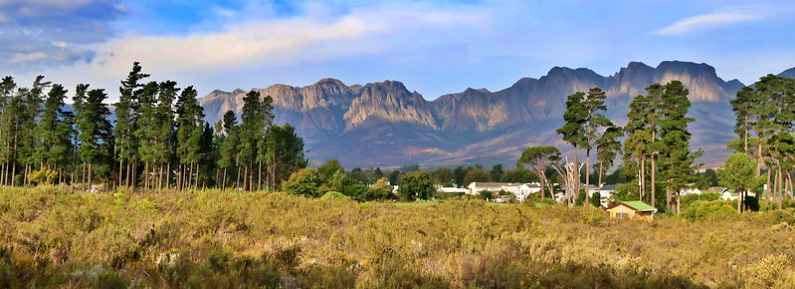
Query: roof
(639, 206)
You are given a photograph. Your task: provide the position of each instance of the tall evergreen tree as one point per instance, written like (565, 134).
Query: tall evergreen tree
(164, 138)
(126, 143)
(28, 140)
(190, 127)
(8, 111)
(148, 130)
(608, 146)
(228, 146)
(584, 122)
(676, 157)
(95, 134)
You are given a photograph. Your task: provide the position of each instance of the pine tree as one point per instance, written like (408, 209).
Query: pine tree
(54, 134)
(190, 124)
(28, 140)
(147, 130)
(95, 134)
(164, 138)
(228, 147)
(584, 122)
(285, 153)
(742, 109)
(677, 160)
(8, 113)
(638, 141)
(126, 144)
(252, 132)
(608, 146)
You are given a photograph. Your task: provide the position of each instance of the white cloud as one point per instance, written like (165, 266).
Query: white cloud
(236, 46)
(709, 21)
(17, 58)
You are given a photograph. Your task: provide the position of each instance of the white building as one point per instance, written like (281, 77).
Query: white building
(452, 190)
(520, 190)
(690, 191)
(606, 193)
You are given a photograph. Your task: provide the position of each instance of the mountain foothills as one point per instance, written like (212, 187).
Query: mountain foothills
(385, 124)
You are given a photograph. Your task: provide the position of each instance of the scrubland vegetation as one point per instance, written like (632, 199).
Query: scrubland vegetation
(54, 238)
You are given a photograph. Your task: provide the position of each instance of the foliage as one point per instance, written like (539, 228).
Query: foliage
(596, 200)
(416, 186)
(305, 182)
(380, 190)
(709, 210)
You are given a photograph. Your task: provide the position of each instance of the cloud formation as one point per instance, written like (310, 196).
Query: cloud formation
(709, 21)
(42, 33)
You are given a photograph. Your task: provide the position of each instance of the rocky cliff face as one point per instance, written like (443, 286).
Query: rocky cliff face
(385, 124)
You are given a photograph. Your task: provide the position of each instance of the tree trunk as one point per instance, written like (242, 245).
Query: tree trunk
(543, 183)
(601, 168)
(759, 159)
(237, 177)
(587, 170)
(259, 176)
(780, 191)
(13, 174)
(245, 178)
(223, 182)
(641, 176)
(653, 181)
(146, 175)
(740, 201)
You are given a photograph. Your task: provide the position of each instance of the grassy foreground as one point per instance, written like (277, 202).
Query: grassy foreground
(54, 239)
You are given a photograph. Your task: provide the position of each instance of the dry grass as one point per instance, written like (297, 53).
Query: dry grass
(55, 239)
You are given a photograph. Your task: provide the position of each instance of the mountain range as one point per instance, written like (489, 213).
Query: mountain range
(384, 124)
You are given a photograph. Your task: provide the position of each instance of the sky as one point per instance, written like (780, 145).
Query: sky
(434, 47)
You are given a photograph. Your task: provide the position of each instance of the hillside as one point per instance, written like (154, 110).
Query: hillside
(386, 124)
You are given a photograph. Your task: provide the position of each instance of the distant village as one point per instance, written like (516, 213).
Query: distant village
(506, 192)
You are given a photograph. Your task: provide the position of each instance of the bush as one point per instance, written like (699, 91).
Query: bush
(710, 210)
(305, 182)
(332, 195)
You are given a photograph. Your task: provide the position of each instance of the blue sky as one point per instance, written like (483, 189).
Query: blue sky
(435, 47)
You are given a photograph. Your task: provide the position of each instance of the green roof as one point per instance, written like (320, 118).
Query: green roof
(639, 206)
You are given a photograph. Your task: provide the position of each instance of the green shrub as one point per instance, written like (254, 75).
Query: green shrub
(709, 210)
(332, 195)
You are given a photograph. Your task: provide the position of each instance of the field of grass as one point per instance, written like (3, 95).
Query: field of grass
(51, 238)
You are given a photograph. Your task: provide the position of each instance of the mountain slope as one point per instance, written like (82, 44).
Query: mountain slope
(385, 124)
(788, 73)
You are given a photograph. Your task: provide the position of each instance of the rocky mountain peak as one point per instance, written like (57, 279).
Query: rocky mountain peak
(389, 101)
(384, 123)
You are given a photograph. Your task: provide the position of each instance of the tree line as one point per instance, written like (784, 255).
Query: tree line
(154, 137)
(765, 112)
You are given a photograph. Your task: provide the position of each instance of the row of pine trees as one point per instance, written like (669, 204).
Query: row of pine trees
(765, 113)
(154, 138)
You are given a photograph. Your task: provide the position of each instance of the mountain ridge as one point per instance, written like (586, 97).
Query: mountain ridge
(385, 124)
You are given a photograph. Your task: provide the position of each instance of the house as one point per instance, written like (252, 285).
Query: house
(519, 190)
(690, 191)
(452, 190)
(631, 210)
(606, 193)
